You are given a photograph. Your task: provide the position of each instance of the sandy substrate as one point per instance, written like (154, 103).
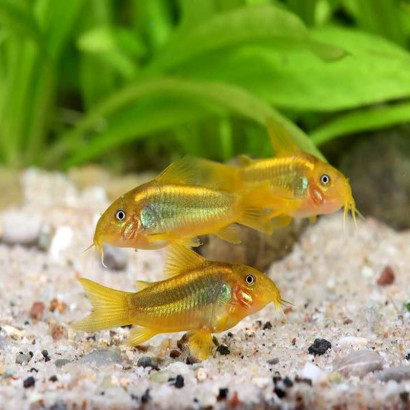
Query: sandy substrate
(330, 277)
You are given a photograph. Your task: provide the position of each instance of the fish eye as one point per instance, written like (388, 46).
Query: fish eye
(324, 179)
(120, 215)
(249, 279)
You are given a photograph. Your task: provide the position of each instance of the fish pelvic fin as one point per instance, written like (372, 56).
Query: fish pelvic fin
(229, 234)
(139, 335)
(180, 259)
(111, 307)
(254, 212)
(200, 343)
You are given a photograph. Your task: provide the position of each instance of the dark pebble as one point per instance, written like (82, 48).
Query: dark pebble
(280, 392)
(174, 354)
(223, 394)
(29, 382)
(319, 347)
(404, 396)
(267, 325)
(145, 398)
(273, 361)
(276, 377)
(230, 334)
(33, 369)
(287, 382)
(223, 350)
(53, 378)
(147, 361)
(407, 356)
(303, 380)
(179, 382)
(134, 397)
(45, 355)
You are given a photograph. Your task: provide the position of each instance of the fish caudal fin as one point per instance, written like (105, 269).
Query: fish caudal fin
(200, 343)
(254, 211)
(111, 307)
(140, 335)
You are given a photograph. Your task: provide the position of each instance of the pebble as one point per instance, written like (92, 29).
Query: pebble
(22, 358)
(20, 228)
(223, 394)
(174, 354)
(352, 341)
(37, 310)
(319, 347)
(273, 361)
(56, 304)
(200, 374)
(103, 357)
(359, 363)
(267, 325)
(147, 361)
(179, 382)
(61, 362)
(223, 350)
(386, 276)
(13, 332)
(398, 374)
(115, 258)
(161, 376)
(312, 372)
(61, 241)
(29, 382)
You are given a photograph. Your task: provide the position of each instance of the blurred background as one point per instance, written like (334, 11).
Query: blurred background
(135, 84)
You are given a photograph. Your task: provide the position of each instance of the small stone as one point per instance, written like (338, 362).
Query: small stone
(57, 331)
(29, 382)
(37, 310)
(407, 356)
(386, 277)
(223, 350)
(61, 362)
(56, 304)
(312, 372)
(267, 325)
(273, 361)
(61, 241)
(179, 382)
(22, 358)
(53, 379)
(287, 382)
(200, 374)
(359, 363)
(174, 354)
(115, 258)
(20, 228)
(223, 394)
(45, 355)
(280, 392)
(147, 361)
(319, 347)
(398, 374)
(103, 357)
(404, 396)
(162, 376)
(352, 341)
(145, 398)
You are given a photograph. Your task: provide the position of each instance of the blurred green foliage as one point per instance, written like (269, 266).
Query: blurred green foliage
(129, 81)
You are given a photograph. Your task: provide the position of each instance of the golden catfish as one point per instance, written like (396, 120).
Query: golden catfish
(200, 296)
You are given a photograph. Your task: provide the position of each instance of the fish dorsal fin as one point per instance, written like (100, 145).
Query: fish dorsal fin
(181, 259)
(201, 172)
(245, 160)
(282, 142)
(179, 172)
(142, 284)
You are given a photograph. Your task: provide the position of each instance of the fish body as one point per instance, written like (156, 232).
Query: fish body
(172, 208)
(200, 296)
(301, 184)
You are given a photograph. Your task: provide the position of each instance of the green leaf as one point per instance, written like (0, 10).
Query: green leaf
(374, 71)
(245, 25)
(214, 95)
(362, 120)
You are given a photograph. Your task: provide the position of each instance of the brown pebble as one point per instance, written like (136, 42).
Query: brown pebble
(294, 341)
(59, 305)
(37, 311)
(174, 354)
(386, 277)
(181, 342)
(57, 331)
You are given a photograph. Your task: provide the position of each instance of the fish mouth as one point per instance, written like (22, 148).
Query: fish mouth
(350, 205)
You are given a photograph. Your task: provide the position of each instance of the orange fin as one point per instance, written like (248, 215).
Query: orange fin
(229, 234)
(111, 307)
(282, 142)
(281, 221)
(140, 335)
(181, 259)
(200, 343)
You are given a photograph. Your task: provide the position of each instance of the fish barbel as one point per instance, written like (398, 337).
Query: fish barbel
(200, 296)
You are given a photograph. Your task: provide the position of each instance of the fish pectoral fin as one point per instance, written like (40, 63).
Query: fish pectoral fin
(139, 335)
(281, 140)
(281, 221)
(200, 343)
(229, 234)
(180, 259)
(142, 284)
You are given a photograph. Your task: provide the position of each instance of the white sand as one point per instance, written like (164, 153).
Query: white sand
(330, 277)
